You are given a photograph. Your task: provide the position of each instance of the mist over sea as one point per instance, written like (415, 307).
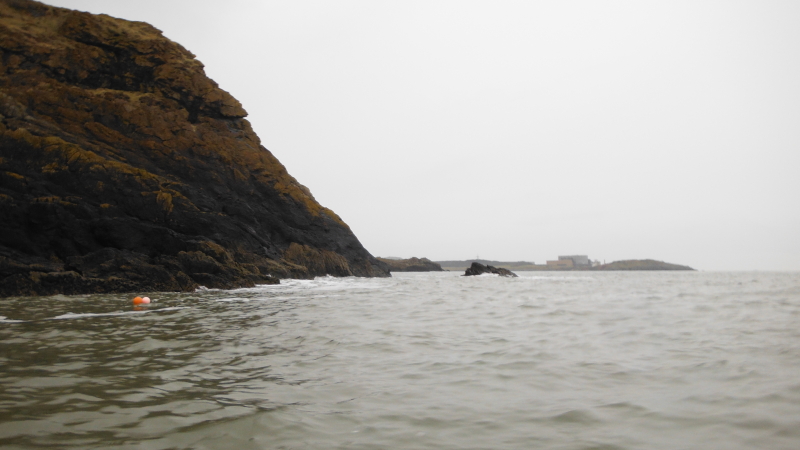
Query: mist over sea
(556, 360)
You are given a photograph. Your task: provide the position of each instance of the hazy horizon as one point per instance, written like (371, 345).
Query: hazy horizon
(522, 130)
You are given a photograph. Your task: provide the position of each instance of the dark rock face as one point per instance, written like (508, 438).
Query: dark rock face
(124, 168)
(478, 269)
(411, 265)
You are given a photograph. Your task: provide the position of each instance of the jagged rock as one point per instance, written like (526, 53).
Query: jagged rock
(411, 265)
(124, 168)
(478, 269)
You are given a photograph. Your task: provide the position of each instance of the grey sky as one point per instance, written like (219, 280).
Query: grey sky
(522, 130)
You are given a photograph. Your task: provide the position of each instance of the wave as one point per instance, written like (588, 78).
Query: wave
(71, 315)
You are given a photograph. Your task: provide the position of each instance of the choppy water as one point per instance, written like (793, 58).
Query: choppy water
(623, 360)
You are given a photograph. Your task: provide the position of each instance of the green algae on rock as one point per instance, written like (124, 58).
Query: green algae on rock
(123, 168)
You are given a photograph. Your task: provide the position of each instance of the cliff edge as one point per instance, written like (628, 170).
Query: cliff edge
(124, 168)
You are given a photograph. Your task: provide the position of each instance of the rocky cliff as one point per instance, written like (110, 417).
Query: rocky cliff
(124, 168)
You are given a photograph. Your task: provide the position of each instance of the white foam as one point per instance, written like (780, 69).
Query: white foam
(70, 315)
(5, 319)
(330, 283)
(557, 278)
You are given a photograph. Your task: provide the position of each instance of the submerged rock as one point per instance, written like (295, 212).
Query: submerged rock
(411, 265)
(479, 269)
(123, 167)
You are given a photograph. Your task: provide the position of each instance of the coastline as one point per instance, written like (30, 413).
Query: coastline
(625, 265)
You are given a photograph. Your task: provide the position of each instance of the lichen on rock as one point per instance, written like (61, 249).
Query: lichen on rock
(123, 167)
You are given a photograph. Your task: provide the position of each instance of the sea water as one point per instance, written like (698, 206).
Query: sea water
(550, 360)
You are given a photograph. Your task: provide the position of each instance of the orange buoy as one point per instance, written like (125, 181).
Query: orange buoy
(141, 301)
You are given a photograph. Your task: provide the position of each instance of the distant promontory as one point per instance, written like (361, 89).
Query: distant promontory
(411, 265)
(640, 264)
(565, 264)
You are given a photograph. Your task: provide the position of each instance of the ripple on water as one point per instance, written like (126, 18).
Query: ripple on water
(418, 361)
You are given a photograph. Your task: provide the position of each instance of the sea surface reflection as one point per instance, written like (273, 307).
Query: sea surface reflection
(563, 360)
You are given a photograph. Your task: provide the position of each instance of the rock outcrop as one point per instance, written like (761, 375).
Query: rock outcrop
(480, 269)
(124, 168)
(411, 265)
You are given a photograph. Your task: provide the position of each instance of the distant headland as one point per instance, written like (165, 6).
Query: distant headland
(411, 265)
(570, 262)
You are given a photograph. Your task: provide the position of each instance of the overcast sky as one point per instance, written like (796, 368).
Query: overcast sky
(522, 130)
